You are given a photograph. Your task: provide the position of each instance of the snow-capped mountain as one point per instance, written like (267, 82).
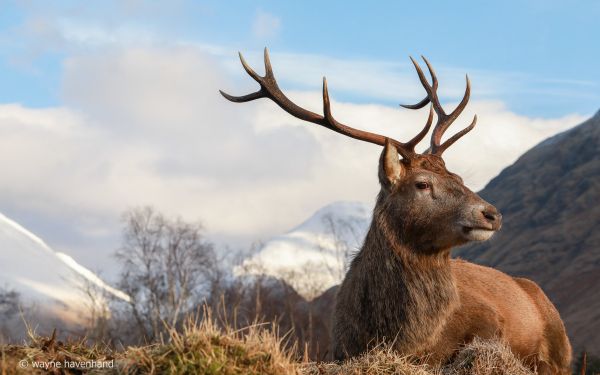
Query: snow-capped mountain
(50, 279)
(313, 256)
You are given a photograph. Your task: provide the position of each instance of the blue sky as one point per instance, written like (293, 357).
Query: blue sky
(107, 105)
(544, 51)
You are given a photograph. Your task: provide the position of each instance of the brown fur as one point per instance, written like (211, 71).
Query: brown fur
(403, 287)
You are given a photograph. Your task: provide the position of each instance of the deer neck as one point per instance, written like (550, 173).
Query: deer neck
(418, 289)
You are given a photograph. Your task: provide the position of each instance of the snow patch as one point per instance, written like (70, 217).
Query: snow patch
(313, 256)
(39, 274)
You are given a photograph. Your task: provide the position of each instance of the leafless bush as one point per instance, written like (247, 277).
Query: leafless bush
(167, 268)
(337, 242)
(97, 306)
(9, 307)
(9, 302)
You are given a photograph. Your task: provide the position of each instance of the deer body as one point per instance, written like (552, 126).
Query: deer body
(432, 306)
(403, 288)
(389, 294)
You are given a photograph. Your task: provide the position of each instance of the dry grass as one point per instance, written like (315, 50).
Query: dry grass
(201, 348)
(17, 359)
(486, 357)
(204, 348)
(380, 361)
(481, 357)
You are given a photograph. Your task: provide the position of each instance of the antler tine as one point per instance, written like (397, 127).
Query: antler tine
(429, 89)
(404, 149)
(419, 105)
(444, 123)
(269, 89)
(327, 102)
(248, 69)
(434, 80)
(268, 68)
(255, 95)
(444, 120)
(407, 150)
(415, 141)
(463, 103)
(440, 149)
(243, 98)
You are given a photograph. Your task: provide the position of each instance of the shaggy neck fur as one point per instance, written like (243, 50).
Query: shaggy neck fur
(411, 294)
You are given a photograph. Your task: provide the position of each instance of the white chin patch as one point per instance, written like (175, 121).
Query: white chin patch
(479, 234)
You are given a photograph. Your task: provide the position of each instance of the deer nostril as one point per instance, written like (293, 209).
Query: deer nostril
(490, 216)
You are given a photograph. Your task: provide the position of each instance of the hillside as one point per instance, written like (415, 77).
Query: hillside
(40, 275)
(549, 200)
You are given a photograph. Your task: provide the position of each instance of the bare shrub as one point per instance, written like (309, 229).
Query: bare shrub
(167, 267)
(337, 243)
(97, 305)
(9, 307)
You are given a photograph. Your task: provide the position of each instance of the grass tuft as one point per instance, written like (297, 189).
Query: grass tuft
(486, 357)
(203, 347)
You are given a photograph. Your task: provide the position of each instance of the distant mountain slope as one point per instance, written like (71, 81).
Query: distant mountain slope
(550, 200)
(51, 279)
(314, 248)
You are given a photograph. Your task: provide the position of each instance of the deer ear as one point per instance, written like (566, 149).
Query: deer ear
(390, 167)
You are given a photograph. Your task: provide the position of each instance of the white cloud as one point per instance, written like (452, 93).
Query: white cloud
(266, 25)
(147, 126)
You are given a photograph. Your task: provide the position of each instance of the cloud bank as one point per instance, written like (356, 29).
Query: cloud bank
(147, 125)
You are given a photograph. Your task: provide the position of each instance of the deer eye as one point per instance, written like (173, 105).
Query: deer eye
(422, 185)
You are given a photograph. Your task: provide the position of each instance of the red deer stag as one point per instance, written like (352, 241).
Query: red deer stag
(402, 287)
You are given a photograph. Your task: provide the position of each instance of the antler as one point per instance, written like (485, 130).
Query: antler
(270, 89)
(443, 120)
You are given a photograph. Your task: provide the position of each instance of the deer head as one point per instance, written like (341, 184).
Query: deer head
(428, 208)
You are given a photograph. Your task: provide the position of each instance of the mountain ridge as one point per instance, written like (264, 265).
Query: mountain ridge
(43, 276)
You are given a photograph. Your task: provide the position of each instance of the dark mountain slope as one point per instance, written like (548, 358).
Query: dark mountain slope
(550, 200)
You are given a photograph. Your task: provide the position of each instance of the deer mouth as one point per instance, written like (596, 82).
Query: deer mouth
(477, 233)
